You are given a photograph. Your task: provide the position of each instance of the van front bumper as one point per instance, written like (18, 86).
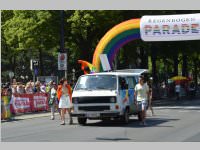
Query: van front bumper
(95, 114)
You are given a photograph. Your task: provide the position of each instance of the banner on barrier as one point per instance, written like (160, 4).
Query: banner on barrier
(40, 102)
(170, 27)
(22, 103)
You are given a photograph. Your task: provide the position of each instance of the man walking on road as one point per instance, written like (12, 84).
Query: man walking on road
(141, 98)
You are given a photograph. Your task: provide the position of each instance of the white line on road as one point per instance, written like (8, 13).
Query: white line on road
(184, 111)
(178, 107)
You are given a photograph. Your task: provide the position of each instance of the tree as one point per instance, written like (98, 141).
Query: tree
(32, 31)
(30, 34)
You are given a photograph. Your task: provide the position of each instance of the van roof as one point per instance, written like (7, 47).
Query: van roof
(135, 72)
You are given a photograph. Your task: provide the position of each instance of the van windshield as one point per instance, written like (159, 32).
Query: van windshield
(97, 82)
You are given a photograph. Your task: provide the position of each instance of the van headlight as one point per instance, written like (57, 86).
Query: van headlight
(75, 100)
(113, 99)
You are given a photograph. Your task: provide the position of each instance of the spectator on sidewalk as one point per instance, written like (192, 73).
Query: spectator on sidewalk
(36, 88)
(49, 86)
(14, 89)
(29, 88)
(52, 100)
(43, 88)
(20, 89)
(178, 90)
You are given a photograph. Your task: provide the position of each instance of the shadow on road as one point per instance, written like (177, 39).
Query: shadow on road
(112, 139)
(11, 120)
(134, 123)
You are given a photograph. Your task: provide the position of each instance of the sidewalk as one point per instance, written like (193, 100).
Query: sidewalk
(172, 101)
(30, 116)
(33, 115)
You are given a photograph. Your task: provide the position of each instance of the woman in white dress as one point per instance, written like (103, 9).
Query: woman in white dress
(65, 101)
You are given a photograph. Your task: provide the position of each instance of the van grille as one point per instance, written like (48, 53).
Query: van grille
(94, 108)
(89, 100)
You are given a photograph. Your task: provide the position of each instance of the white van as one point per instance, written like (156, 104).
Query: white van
(105, 95)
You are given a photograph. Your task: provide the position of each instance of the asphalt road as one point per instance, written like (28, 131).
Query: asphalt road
(174, 121)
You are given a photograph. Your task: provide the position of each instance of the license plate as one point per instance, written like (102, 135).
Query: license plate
(93, 115)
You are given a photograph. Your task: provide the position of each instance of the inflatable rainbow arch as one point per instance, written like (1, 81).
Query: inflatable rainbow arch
(148, 28)
(112, 41)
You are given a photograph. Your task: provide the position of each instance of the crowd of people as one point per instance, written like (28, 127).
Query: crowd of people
(176, 89)
(28, 88)
(59, 95)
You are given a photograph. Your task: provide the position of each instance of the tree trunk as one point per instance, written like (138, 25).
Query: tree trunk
(41, 68)
(195, 71)
(144, 57)
(175, 58)
(126, 60)
(13, 63)
(153, 61)
(166, 76)
(115, 63)
(184, 66)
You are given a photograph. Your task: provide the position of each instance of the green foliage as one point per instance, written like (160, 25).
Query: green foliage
(27, 34)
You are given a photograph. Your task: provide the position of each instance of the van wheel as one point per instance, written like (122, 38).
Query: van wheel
(82, 121)
(125, 117)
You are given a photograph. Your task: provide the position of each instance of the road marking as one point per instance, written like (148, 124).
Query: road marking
(179, 107)
(184, 111)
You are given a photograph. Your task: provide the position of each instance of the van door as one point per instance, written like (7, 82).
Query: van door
(131, 85)
(126, 90)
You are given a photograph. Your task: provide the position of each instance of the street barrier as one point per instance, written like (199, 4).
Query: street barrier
(40, 102)
(23, 103)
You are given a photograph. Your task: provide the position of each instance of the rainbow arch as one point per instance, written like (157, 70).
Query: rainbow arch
(114, 39)
(129, 30)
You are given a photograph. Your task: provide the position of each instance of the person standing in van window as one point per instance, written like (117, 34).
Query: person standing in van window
(141, 98)
(65, 103)
(123, 84)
